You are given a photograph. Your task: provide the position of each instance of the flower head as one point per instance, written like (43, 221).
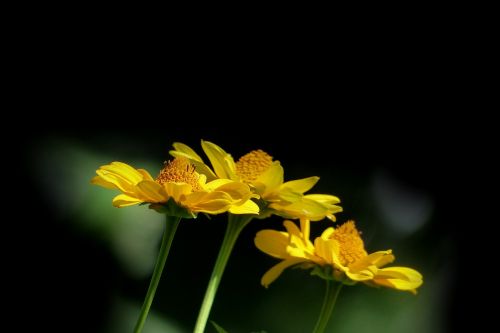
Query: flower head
(265, 177)
(178, 189)
(338, 254)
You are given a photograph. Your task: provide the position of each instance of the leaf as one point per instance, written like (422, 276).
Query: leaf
(218, 328)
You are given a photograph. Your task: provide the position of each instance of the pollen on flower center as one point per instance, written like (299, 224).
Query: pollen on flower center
(351, 245)
(250, 166)
(179, 171)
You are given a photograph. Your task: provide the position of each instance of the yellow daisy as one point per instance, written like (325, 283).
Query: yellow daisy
(266, 178)
(338, 254)
(178, 189)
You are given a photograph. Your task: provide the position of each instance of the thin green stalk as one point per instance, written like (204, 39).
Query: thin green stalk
(235, 224)
(331, 293)
(171, 226)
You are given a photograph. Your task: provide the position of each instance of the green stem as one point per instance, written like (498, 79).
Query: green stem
(331, 293)
(235, 224)
(171, 226)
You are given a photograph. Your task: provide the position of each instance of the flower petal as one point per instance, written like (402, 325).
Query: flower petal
(276, 270)
(199, 165)
(145, 174)
(323, 198)
(378, 259)
(222, 162)
(178, 191)
(185, 149)
(362, 275)
(304, 208)
(212, 185)
(328, 249)
(208, 202)
(121, 183)
(236, 190)
(249, 207)
(124, 200)
(400, 278)
(125, 171)
(98, 180)
(217, 206)
(327, 233)
(292, 228)
(270, 180)
(299, 245)
(301, 185)
(152, 191)
(305, 226)
(272, 242)
(285, 196)
(122, 175)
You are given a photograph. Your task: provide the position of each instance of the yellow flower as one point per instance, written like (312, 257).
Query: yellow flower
(337, 254)
(178, 182)
(266, 179)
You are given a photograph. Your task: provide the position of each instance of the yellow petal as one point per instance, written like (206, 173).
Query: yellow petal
(222, 162)
(237, 191)
(378, 259)
(199, 165)
(203, 196)
(122, 175)
(276, 270)
(328, 249)
(363, 275)
(323, 198)
(292, 228)
(301, 185)
(124, 200)
(178, 191)
(125, 171)
(218, 206)
(271, 179)
(403, 273)
(208, 202)
(145, 174)
(285, 195)
(304, 208)
(249, 207)
(401, 278)
(385, 258)
(185, 149)
(305, 226)
(202, 180)
(327, 233)
(214, 184)
(152, 191)
(97, 180)
(121, 183)
(272, 242)
(299, 245)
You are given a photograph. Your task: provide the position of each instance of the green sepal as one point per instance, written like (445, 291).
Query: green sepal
(264, 211)
(330, 274)
(171, 208)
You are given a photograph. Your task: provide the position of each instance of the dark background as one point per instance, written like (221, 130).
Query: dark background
(383, 119)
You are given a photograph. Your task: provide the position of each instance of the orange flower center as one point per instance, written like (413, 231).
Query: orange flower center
(179, 171)
(250, 166)
(351, 245)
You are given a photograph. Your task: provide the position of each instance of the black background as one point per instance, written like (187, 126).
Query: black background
(396, 113)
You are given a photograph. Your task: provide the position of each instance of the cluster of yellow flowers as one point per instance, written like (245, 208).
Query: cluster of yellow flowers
(254, 186)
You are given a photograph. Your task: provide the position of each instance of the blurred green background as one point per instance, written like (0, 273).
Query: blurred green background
(95, 260)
